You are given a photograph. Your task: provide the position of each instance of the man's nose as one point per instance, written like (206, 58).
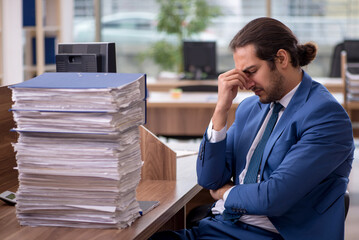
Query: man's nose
(250, 84)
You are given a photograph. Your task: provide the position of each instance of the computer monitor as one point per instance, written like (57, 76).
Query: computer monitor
(86, 57)
(199, 59)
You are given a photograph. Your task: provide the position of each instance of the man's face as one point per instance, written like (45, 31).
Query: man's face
(267, 84)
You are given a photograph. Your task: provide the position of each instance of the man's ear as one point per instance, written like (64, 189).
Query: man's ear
(282, 58)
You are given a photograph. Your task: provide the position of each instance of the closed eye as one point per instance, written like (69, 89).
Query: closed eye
(251, 70)
(250, 73)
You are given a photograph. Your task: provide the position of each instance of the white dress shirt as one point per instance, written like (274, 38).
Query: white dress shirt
(216, 136)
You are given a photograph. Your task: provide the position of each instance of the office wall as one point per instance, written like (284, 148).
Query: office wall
(12, 42)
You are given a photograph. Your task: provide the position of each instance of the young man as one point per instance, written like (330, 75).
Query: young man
(281, 170)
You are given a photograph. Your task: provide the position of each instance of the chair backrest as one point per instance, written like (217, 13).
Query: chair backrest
(335, 69)
(352, 49)
(346, 203)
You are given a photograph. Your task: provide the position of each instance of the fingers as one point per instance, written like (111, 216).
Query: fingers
(228, 84)
(234, 78)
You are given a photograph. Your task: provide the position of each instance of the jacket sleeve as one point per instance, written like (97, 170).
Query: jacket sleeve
(215, 160)
(213, 170)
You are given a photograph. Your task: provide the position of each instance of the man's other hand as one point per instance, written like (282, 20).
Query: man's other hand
(218, 194)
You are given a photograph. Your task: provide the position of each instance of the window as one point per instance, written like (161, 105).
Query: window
(326, 22)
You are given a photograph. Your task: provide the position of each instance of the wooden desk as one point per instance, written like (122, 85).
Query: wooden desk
(333, 84)
(187, 116)
(173, 197)
(7, 156)
(166, 85)
(190, 115)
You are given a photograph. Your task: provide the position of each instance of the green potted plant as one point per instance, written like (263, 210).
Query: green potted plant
(183, 19)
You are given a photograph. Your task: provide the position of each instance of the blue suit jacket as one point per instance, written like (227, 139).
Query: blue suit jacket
(305, 165)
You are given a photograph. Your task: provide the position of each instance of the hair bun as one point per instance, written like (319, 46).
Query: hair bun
(306, 53)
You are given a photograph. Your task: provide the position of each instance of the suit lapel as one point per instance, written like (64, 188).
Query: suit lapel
(299, 98)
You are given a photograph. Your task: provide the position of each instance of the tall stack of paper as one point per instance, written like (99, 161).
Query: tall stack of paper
(78, 152)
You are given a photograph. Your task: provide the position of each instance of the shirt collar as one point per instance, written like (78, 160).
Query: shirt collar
(286, 99)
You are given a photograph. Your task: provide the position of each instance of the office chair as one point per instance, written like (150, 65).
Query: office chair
(197, 214)
(352, 49)
(346, 203)
(335, 69)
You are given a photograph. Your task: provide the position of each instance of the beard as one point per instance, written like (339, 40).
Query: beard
(275, 90)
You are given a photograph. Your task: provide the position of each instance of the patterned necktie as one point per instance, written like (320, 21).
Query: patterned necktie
(252, 172)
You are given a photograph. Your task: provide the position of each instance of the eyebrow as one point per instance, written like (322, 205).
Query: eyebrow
(246, 70)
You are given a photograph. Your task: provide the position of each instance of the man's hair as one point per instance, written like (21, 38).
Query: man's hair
(268, 36)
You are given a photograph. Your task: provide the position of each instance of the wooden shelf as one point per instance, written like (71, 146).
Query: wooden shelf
(48, 24)
(16, 63)
(45, 29)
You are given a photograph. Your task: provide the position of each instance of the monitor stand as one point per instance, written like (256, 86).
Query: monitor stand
(198, 74)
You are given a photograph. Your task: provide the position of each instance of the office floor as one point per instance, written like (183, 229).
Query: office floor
(352, 220)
